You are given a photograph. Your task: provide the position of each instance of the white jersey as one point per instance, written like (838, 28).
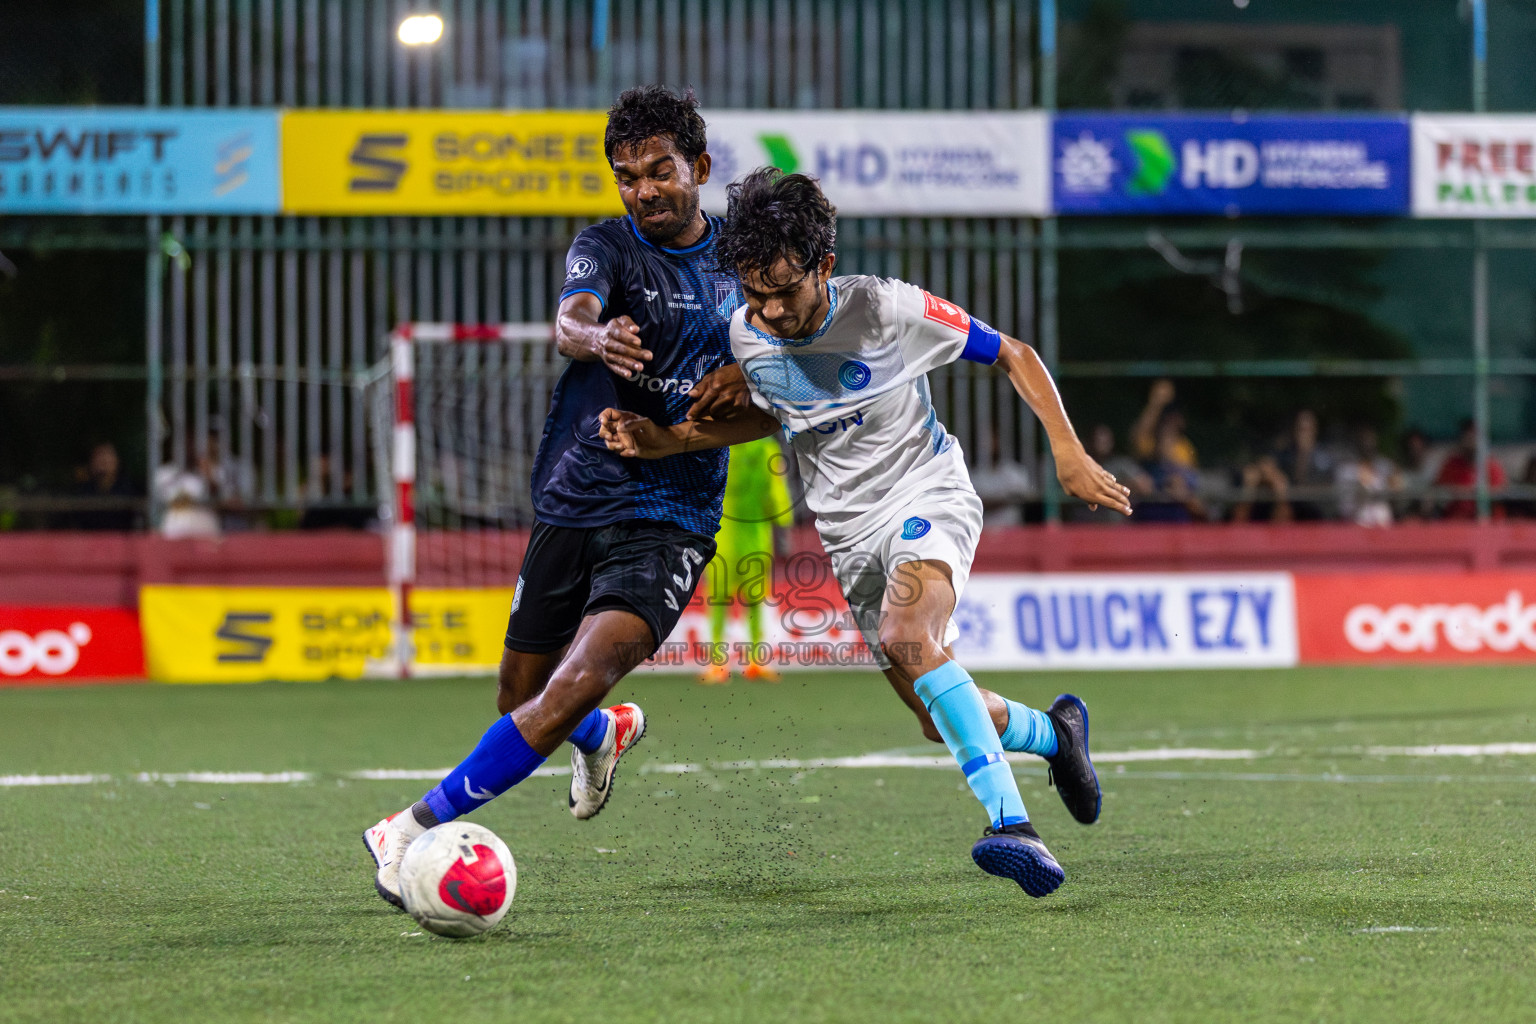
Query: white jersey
(853, 399)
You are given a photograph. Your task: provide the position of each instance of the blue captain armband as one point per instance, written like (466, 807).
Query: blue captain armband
(983, 343)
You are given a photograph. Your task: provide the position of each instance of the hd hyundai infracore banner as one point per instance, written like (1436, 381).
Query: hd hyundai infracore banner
(1230, 165)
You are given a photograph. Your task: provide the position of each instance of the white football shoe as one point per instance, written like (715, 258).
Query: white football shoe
(592, 774)
(387, 842)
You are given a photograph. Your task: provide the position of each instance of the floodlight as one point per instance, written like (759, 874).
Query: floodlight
(421, 29)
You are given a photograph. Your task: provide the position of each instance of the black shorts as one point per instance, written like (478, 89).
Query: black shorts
(644, 566)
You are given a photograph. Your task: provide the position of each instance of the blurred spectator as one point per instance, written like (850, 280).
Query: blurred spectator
(1460, 470)
(102, 477)
(1146, 433)
(1003, 486)
(1366, 482)
(1418, 474)
(1101, 445)
(334, 517)
(1175, 481)
(1297, 462)
(229, 482)
(1525, 507)
(184, 495)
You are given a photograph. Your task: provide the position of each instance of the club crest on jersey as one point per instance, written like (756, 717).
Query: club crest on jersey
(853, 375)
(725, 299)
(914, 528)
(945, 312)
(581, 266)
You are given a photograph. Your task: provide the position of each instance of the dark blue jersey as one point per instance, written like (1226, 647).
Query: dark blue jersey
(683, 309)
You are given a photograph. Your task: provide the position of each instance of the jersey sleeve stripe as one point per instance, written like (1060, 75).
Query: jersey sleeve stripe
(590, 291)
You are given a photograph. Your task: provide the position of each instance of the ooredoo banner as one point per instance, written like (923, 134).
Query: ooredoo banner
(1474, 165)
(878, 163)
(44, 645)
(1438, 617)
(78, 160)
(1230, 165)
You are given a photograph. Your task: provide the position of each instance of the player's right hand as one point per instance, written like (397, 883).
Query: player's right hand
(1082, 477)
(619, 346)
(632, 435)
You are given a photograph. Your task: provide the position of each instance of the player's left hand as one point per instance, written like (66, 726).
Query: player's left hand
(632, 435)
(1082, 477)
(721, 395)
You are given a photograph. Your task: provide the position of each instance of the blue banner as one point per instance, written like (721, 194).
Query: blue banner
(83, 160)
(1230, 166)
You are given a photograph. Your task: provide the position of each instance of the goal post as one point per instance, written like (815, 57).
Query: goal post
(458, 411)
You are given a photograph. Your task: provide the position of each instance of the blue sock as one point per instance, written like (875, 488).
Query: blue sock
(589, 735)
(1029, 731)
(500, 761)
(961, 716)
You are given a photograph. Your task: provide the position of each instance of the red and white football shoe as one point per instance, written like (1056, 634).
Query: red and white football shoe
(592, 774)
(387, 842)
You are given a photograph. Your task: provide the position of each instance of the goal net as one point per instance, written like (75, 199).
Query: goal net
(457, 412)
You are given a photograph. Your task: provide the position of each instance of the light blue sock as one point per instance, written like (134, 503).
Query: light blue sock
(589, 735)
(500, 761)
(1029, 731)
(961, 716)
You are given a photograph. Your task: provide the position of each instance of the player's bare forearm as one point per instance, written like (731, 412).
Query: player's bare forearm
(1080, 475)
(634, 436)
(581, 336)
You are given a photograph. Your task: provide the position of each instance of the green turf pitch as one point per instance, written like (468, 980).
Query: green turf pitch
(1314, 882)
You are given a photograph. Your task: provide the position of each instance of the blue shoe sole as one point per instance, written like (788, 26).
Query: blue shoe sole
(997, 855)
(1082, 708)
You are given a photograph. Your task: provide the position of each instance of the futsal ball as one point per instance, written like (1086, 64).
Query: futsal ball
(458, 879)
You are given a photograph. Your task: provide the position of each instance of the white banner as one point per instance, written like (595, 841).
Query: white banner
(1130, 621)
(1474, 165)
(877, 163)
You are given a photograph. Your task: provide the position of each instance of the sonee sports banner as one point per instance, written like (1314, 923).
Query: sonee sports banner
(249, 634)
(1229, 166)
(447, 162)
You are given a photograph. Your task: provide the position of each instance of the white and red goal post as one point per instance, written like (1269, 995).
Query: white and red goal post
(458, 411)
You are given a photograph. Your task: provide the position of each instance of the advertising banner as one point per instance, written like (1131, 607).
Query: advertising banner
(48, 645)
(877, 163)
(1130, 164)
(1127, 620)
(426, 162)
(1430, 617)
(1474, 165)
(247, 634)
(80, 160)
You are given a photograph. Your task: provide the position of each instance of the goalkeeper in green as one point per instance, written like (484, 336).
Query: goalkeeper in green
(756, 501)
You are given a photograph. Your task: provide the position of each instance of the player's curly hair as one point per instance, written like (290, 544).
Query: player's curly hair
(772, 215)
(653, 111)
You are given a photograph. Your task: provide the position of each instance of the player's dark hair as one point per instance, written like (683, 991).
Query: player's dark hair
(772, 215)
(654, 111)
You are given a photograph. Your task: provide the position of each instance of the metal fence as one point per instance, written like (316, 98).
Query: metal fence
(257, 325)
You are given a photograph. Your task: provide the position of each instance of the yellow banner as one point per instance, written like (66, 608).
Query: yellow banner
(546, 163)
(248, 634)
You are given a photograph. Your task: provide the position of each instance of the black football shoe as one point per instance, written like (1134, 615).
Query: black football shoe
(1018, 852)
(1071, 771)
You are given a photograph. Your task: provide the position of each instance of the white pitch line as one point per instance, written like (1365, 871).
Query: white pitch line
(880, 761)
(52, 780)
(223, 778)
(1455, 750)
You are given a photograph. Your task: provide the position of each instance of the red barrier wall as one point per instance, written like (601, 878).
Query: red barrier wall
(42, 569)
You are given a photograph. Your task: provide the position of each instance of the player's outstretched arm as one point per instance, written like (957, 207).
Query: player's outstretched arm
(1080, 475)
(616, 343)
(634, 436)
